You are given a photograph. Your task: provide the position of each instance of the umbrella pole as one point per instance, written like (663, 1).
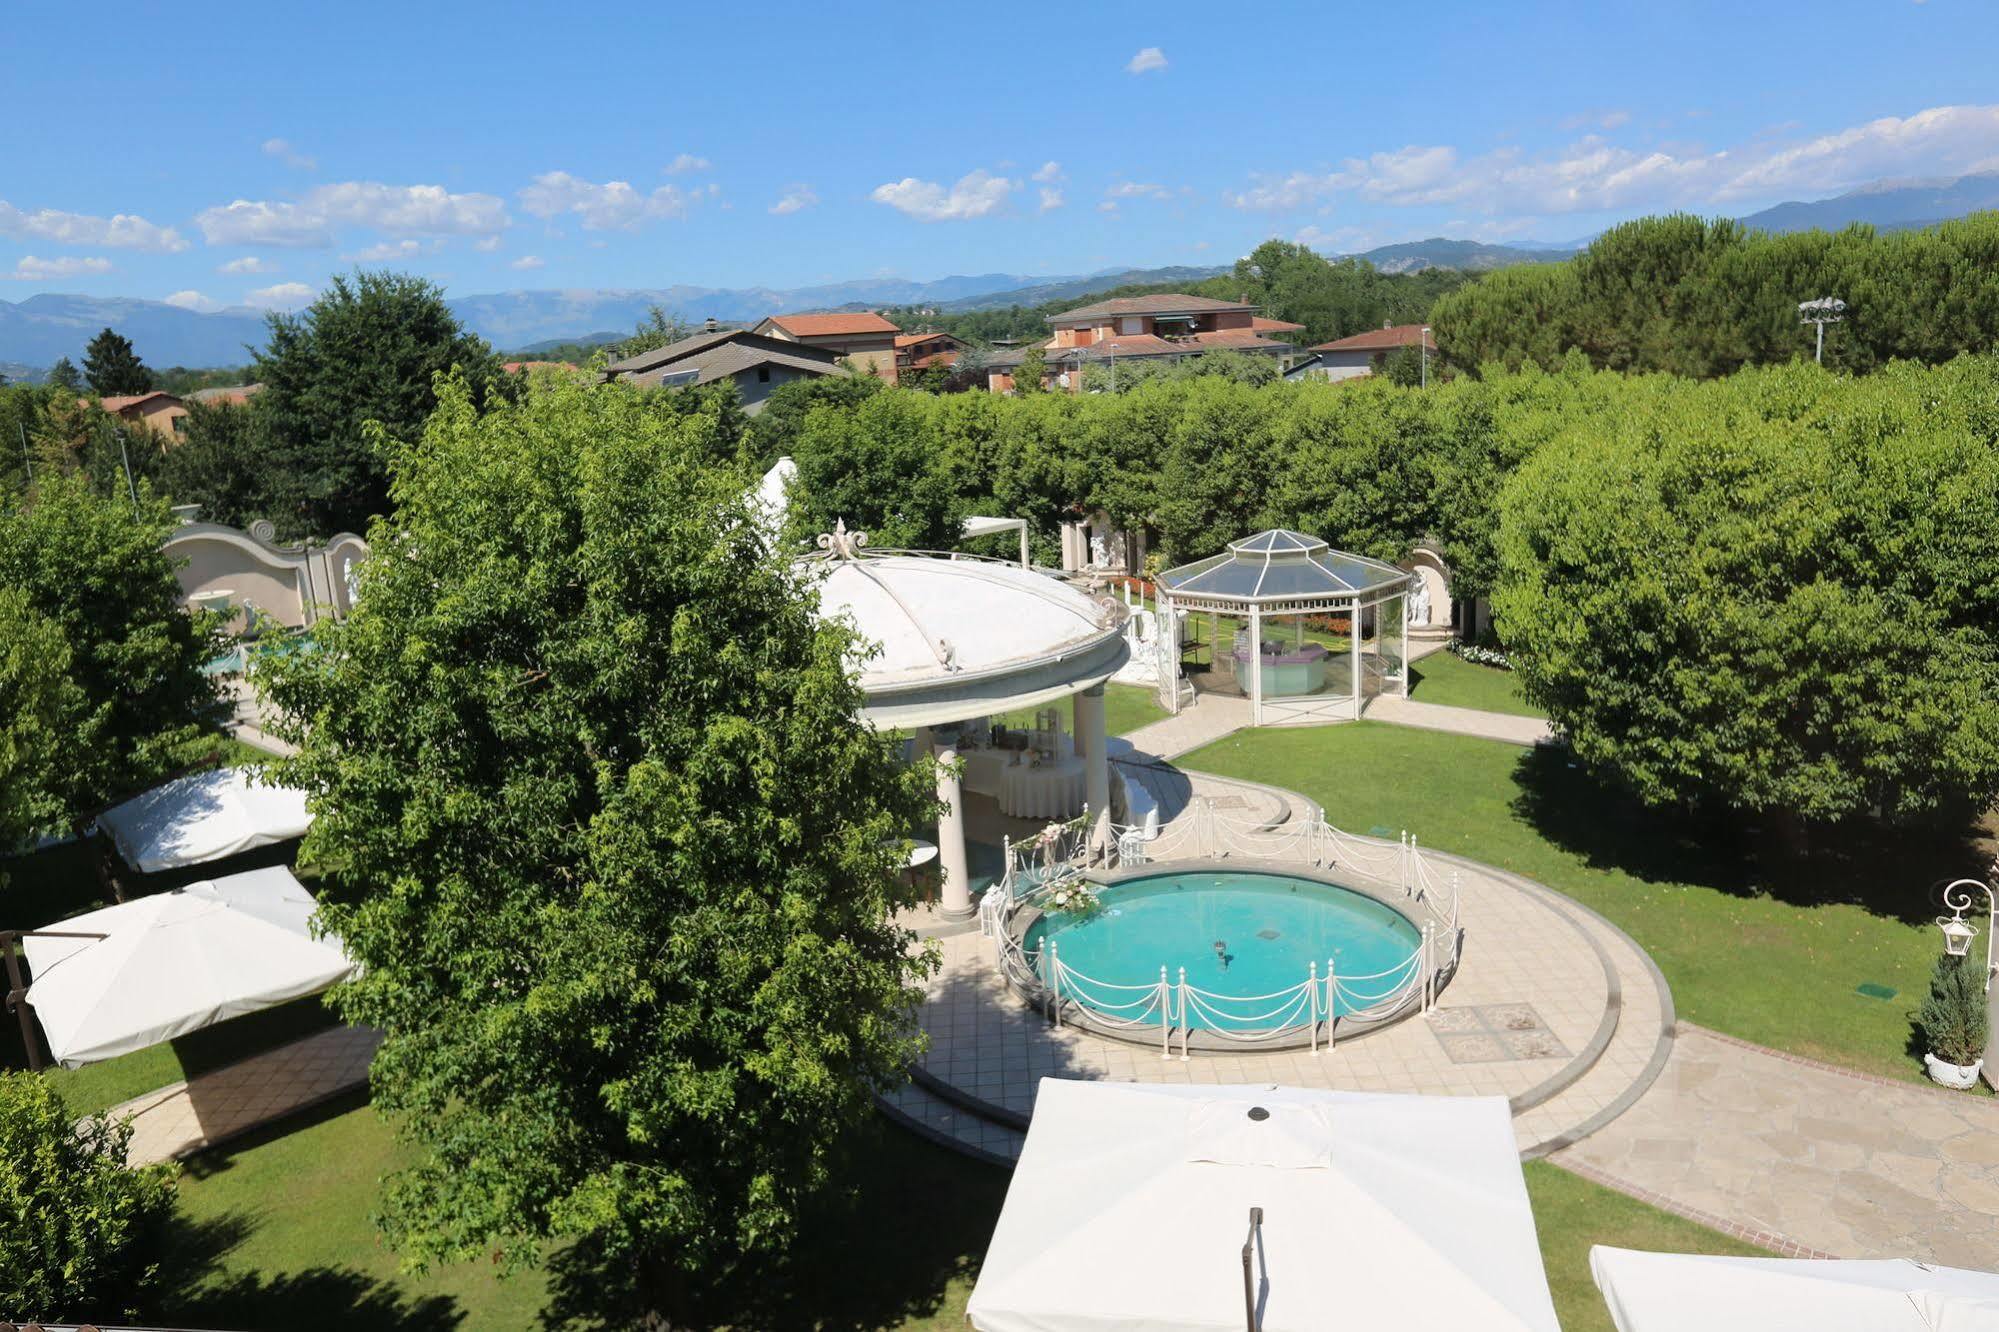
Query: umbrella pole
(17, 993)
(1248, 1275)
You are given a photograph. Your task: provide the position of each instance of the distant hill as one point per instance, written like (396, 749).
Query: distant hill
(1044, 290)
(1463, 255)
(580, 340)
(1890, 205)
(43, 328)
(16, 373)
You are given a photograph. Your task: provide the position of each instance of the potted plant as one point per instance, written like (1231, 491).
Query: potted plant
(1953, 1022)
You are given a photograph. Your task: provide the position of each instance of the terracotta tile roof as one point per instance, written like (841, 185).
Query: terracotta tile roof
(721, 353)
(119, 402)
(234, 394)
(1247, 338)
(1262, 325)
(1380, 339)
(833, 325)
(914, 339)
(1171, 302)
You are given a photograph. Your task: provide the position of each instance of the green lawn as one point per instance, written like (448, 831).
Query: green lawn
(1457, 683)
(1755, 943)
(277, 1234)
(1126, 708)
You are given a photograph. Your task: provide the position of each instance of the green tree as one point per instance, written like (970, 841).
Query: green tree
(223, 461)
(64, 376)
(616, 856)
(1028, 375)
(112, 367)
(36, 698)
(84, 1231)
(348, 381)
(1776, 592)
(91, 565)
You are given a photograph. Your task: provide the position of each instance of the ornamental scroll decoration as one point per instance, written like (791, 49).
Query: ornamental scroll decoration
(842, 544)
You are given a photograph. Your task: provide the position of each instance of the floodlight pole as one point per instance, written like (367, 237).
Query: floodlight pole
(1822, 311)
(17, 992)
(1423, 342)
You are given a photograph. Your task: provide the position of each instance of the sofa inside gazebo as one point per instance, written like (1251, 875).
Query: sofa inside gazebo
(1305, 632)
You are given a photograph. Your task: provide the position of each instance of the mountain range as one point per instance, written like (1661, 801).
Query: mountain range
(36, 331)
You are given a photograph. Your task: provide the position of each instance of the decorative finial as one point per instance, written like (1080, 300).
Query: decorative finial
(947, 654)
(842, 544)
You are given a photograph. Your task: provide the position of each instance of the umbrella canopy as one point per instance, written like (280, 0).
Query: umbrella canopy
(1681, 1292)
(1130, 1206)
(202, 817)
(176, 962)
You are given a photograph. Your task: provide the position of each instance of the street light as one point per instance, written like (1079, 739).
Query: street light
(1959, 932)
(1423, 340)
(1825, 310)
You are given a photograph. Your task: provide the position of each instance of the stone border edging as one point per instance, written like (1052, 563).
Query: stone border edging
(903, 1119)
(1873, 1079)
(966, 1101)
(1782, 1245)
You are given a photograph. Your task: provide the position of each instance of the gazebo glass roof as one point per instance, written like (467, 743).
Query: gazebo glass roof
(1282, 565)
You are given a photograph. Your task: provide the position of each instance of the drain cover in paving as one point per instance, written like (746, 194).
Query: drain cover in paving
(1493, 1033)
(1266, 935)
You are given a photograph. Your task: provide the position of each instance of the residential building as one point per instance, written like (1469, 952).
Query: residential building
(161, 413)
(862, 337)
(1172, 326)
(232, 395)
(756, 363)
(918, 352)
(1362, 354)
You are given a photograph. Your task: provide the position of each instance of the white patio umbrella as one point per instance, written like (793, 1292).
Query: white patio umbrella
(1130, 1208)
(1682, 1292)
(176, 962)
(202, 817)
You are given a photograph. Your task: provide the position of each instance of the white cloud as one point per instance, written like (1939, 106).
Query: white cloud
(386, 252)
(1050, 198)
(1339, 240)
(283, 296)
(527, 262)
(612, 206)
(1049, 173)
(1134, 189)
(976, 194)
(285, 152)
(686, 162)
(33, 269)
(1601, 120)
(413, 210)
(486, 244)
(1594, 174)
(1146, 61)
(193, 300)
(795, 198)
(249, 263)
(122, 231)
(1107, 206)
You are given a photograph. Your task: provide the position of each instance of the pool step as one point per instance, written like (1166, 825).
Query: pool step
(951, 1124)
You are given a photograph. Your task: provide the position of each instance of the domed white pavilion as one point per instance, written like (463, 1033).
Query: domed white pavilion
(958, 638)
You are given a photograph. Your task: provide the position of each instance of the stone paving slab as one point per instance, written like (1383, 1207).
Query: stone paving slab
(1459, 721)
(1820, 1158)
(182, 1119)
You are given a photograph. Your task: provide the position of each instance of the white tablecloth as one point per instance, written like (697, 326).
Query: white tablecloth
(1052, 791)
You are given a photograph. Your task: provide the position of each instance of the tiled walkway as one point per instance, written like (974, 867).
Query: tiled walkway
(188, 1116)
(1460, 721)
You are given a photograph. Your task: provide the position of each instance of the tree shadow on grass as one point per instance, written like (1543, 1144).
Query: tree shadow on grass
(202, 1295)
(881, 1244)
(1894, 871)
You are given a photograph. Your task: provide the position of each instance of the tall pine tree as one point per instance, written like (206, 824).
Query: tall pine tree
(112, 367)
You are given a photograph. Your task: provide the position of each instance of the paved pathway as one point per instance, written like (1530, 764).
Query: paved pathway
(1460, 721)
(1807, 1158)
(188, 1116)
(1209, 717)
(246, 719)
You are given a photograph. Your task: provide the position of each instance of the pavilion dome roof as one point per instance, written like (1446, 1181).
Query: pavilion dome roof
(955, 632)
(1282, 565)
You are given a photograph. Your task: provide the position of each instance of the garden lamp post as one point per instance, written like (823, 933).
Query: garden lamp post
(1959, 932)
(1825, 310)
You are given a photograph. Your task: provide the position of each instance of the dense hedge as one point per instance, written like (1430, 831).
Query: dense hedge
(1705, 298)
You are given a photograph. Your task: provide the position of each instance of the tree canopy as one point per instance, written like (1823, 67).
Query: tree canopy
(617, 859)
(347, 382)
(1775, 592)
(111, 366)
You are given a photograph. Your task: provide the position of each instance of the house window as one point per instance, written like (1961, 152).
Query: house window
(763, 374)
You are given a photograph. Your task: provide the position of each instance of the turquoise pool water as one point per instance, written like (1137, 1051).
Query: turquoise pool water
(1270, 928)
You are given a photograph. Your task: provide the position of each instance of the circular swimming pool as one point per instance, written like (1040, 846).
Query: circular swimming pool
(1249, 945)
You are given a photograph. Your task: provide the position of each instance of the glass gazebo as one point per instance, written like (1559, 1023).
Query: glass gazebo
(1305, 632)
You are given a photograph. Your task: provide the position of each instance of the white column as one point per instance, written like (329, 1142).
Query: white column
(1404, 675)
(1092, 740)
(952, 860)
(1353, 643)
(1079, 728)
(1255, 665)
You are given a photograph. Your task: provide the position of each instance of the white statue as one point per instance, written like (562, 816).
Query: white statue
(1100, 551)
(1419, 603)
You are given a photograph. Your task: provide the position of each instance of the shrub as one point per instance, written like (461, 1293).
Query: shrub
(1953, 1016)
(80, 1231)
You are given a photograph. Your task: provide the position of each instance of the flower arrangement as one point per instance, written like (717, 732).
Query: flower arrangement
(1075, 898)
(1480, 655)
(1049, 836)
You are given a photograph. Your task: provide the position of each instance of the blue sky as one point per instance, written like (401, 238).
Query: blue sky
(242, 154)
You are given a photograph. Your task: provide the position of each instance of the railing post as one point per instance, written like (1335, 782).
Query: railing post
(1165, 1017)
(1183, 1015)
(1312, 1003)
(1054, 983)
(1413, 866)
(1423, 967)
(1332, 1014)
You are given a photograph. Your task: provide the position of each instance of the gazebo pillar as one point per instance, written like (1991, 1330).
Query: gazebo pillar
(953, 863)
(1092, 739)
(1255, 665)
(1353, 645)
